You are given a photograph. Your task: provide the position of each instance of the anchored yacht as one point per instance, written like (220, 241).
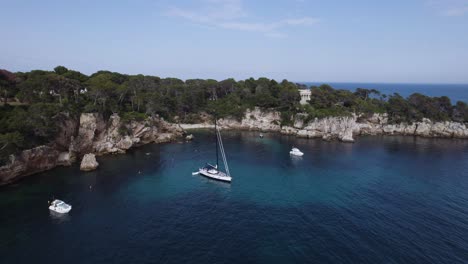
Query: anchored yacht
(213, 171)
(296, 152)
(60, 207)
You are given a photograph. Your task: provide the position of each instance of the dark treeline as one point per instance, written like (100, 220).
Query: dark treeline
(34, 103)
(326, 101)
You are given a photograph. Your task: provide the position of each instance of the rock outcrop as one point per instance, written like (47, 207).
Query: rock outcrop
(28, 162)
(89, 136)
(89, 163)
(254, 120)
(117, 137)
(89, 122)
(341, 128)
(92, 135)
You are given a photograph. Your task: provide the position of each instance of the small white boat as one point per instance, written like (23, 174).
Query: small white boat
(296, 152)
(261, 135)
(60, 207)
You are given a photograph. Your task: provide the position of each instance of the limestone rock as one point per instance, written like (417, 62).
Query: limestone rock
(89, 163)
(84, 141)
(303, 133)
(164, 137)
(424, 128)
(299, 120)
(28, 162)
(68, 128)
(346, 136)
(287, 130)
(64, 159)
(341, 128)
(92, 135)
(125, 143)
(95, 136)
(263, 120)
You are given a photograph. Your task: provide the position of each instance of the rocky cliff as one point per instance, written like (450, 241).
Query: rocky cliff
(91, 134)
(99, 137)
(94, 135)
(341, 128)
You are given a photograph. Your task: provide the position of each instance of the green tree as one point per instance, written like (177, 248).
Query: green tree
(460, 112)
(400, 110)
(7, 84)
(103, 87)
(14, 138)
(60, 70)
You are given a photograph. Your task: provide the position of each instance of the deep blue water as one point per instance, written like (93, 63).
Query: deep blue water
(380, 200)
(456, 92)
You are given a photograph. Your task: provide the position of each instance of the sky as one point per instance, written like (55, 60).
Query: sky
(398, 41)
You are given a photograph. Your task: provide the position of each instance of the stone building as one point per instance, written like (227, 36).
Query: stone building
(305, 95)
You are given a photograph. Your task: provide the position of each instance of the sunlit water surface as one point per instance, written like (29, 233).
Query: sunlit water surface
(379, 200)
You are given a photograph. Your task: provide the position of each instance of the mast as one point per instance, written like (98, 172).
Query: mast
(216, 135)
(223, 154)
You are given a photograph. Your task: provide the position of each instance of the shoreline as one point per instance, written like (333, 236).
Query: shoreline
(344, 128)
(99, 137)
(206, 127)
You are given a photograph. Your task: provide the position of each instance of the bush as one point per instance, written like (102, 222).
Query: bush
(132, 116)
(287, 118)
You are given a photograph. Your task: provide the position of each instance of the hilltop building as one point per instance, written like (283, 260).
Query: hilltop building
(305, 95)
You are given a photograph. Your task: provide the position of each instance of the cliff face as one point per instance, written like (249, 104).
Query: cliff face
(29, 162)
(341, 128)
(99, 137)
(345, 128)
(91, 134)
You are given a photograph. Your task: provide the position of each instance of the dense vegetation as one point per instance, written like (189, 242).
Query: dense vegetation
(326, 101)
(33, 103)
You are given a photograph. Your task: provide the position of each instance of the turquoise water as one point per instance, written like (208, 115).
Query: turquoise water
(380, 200)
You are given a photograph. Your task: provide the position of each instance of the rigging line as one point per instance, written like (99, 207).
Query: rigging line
(226, 164)
(225, 161)
(223, 153)
(216, 129)
(218, 135)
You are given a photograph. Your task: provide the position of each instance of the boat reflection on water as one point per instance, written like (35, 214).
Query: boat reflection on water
(222, 184)
(296, 160)
(58, 217)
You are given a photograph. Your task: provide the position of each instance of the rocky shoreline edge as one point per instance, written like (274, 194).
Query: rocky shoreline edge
(344, 128)
(93, 136)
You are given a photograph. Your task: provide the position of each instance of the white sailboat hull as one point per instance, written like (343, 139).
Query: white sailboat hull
(294, 153)
(60, 207)
(59, 210)
(217, 175)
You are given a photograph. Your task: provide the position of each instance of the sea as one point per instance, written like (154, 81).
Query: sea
(456, 92)
(380, 200)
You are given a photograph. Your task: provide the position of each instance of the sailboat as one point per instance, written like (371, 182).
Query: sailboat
(213, 171)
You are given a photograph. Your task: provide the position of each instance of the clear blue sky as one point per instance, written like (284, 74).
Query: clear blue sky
(422, 41)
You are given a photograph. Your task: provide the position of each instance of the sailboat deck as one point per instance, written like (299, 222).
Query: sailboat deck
(218, 175)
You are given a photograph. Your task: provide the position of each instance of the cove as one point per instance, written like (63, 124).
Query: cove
(381, 199)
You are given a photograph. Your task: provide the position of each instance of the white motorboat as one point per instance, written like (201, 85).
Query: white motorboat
(60, 207)
(213, 171)
(261, 135)
(296, 152)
